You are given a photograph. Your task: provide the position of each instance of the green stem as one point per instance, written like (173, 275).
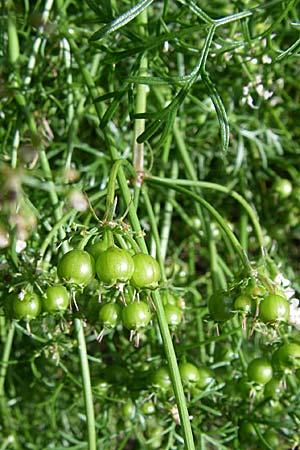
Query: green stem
(140, 106)
(38, 41)
(13, 40)
(174, 372)
(87, 389)
(166, 337)
(154, 230)
(167, 214)
(189, 167)
(110, 198)
(225, 190)
(4, 408)
(235, 243)
(134, 220)
(5, 356)
(53, 233)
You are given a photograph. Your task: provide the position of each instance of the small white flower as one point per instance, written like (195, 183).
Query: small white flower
(20, 245)
(78, 201)
(275, 100)
(294, 302)
(294, 318)
(258, 79)
(227, 56)
(260, 89)
(280, 82)
(280, 279)
(266, 59)
(250, 102)
(245, 90)
(289, 292)
(268, 94)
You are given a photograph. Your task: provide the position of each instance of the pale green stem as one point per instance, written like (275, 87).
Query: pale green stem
(218, 187)
(5, 411)
(134, 220)
(87, 389)
(167, 340)
(213, 256)
(167, 214)
(5, 356)
(37, 43)
(13, 40)
(140, 107)
(235, 243)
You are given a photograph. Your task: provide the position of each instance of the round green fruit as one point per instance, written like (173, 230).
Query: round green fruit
(56, 299)
(110, 315)
(96, 249)
(260, 371)
(220, 306)
(76, 267)
(161, 379)
(189, 373)
(146, 272)
(206, 376)
(274, 308)
(283, 188)
(287, 356)
(243, 304)
(27, 308)
(173, 315)
(114, 265)
(136, 316)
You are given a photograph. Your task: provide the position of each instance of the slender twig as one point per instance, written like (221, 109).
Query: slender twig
(86, 379)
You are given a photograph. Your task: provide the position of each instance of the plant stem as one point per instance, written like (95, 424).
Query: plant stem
(189, 167)
(140, 106)
(167, 340)
(167, 213)
(5, 356)
(4, 408)
(134, 220)
(58, 216)
(225, 190)
(87, 389)
(13, 40)
(213, 212)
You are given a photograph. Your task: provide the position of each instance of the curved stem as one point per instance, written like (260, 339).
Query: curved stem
(165, 333)
(172, 184)
(135, 223)
(4, 408)
(140, 106)
(86, 381)
(192, 175)
(5, 356)
(225, 190)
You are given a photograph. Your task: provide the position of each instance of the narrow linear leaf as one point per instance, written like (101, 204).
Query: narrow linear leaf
(220, 109)
(197, 10)
(148, 133)
(103, 11)
(158, 81)
(168, 126)
(122, 20)
(145, 115)
(111, 109)
(291, 51)
(106, 96)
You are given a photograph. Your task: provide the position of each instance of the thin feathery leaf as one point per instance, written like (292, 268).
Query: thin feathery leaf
(121, 21)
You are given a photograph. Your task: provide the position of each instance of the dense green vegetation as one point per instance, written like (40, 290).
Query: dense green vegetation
(149, 225)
